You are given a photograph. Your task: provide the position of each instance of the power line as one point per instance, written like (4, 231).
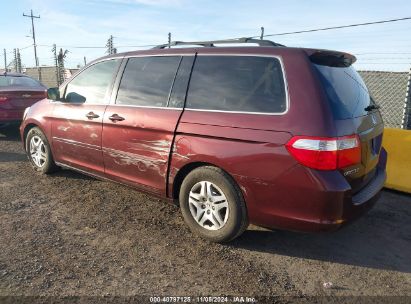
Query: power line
(137, 46)
(337, 27)
(99, 47)
(371, 63)
(259, 36)
(26, 47)
(386, 58)
(374, 53)
(74, 47)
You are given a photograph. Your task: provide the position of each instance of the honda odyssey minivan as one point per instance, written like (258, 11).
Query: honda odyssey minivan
(275, 136)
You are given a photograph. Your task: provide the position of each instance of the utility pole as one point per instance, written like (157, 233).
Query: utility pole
(19, 69)
(34, 41)
(262, 33)
(85, 61)
(15, 60)
(169, 40)
(56, 64)
(60, 59)
(110, 46)
(5, 61)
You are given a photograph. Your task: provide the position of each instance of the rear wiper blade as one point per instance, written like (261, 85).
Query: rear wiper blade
(371, 107)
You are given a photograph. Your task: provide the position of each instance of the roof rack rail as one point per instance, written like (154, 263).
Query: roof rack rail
(213, 42)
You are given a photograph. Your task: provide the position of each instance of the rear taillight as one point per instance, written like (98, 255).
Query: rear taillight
(3, 98)
(324, 153)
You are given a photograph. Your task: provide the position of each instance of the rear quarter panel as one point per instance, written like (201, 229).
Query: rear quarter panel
(254, 158)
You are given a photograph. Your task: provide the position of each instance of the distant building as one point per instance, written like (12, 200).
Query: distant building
(48, 74)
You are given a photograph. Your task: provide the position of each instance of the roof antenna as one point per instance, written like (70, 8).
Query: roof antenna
(262, 33)
(169, 40)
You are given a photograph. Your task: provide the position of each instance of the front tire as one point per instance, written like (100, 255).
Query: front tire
(39, 152)
(212, 205)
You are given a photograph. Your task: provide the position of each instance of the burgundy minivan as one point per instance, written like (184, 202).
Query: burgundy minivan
(270, 135)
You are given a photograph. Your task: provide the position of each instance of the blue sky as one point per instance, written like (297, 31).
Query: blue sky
(72, 23)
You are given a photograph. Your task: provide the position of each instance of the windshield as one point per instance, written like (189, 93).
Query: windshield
(19, 81)
(346, 91)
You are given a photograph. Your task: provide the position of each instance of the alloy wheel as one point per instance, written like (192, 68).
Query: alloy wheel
(38, 152)
(208, 205)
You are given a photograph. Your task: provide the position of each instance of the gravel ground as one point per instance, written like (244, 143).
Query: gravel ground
(71, 235)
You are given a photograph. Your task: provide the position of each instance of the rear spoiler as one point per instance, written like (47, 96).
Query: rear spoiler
(332, 58)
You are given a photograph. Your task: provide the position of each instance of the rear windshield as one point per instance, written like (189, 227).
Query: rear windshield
(346, 91)
(20, 81)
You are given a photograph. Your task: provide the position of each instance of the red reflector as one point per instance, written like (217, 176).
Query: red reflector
(3, 98)
(325, 153)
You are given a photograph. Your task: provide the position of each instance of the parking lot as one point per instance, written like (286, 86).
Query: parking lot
(69, 234)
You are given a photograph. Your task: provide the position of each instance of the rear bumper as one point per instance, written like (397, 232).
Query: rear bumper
(324, 203)
(7, 116)
(372, 189)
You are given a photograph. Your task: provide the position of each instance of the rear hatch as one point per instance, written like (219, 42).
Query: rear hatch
(17, 98)
(354, 111)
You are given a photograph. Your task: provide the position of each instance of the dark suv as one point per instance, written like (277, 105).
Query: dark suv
(270, 135)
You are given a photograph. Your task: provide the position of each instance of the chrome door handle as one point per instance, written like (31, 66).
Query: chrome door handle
(92, 115)
(116, 117)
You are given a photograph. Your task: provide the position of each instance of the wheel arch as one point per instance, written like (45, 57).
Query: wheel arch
(182, 173)
(189, 167)
(27, 128)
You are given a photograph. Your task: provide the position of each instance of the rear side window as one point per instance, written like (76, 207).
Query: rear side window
(237, 83)
(147, 81)
(346, 91)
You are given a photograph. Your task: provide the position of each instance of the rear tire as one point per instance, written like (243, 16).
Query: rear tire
(39, 152)
(212, 205)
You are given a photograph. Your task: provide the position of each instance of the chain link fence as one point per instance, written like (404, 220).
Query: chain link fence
(407, 108)
(389, 90)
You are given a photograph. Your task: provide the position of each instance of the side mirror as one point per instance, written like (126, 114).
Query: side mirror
(74, 97)
(53, 94)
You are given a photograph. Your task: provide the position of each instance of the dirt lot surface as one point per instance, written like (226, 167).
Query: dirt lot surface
(68, 234)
